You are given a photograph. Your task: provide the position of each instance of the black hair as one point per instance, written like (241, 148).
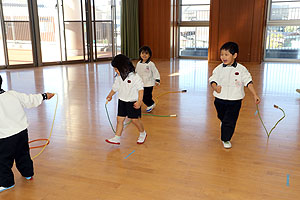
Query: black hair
(145, 49)
(0, 81)
(232, 47)
(123, 64)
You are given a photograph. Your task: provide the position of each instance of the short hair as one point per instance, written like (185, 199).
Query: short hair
(232, 47)
(123, 64)
(145, 49)
(0, 81)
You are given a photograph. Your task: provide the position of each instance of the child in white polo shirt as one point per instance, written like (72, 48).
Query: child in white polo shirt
(149, 74)
(14, 134)
(129, 86)
(228, 81)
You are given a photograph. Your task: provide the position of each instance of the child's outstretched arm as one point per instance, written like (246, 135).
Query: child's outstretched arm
(31, 100)
(138, 104)
(252, 90)
(110, 95)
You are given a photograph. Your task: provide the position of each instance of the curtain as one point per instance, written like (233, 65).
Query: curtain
(130, 28)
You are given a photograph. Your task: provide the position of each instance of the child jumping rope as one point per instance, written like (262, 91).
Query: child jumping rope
(228, 81)
(129, 86)
(149, 74)
(14, 134)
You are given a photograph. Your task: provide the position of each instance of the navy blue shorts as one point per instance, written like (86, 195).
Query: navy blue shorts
(126, 109)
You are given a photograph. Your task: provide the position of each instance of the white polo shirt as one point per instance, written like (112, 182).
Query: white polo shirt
(148, 72)
(232, 80)
(128, 90)
(12, 115)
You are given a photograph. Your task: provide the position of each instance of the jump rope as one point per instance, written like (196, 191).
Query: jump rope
(47, 140)
(148, 114)
(174, 115)
(269, 132)
(156, 101)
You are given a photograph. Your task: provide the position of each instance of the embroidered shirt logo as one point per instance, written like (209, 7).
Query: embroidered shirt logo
(236, 73)
(129, 81)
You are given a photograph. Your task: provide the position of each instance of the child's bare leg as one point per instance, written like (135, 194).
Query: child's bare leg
(116, 139)
(138, 124)
(120, 124)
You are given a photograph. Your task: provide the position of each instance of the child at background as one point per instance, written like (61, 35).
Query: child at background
(14, 134)
(129, 85)
(228, 81)
(149, 74)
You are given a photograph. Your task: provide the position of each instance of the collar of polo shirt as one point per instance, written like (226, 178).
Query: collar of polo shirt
(234, 64)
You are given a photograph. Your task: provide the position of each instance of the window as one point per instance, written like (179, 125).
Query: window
(194, 28)
(283, 30)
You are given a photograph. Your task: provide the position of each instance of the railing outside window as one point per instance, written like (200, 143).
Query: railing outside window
(194, 28)
(283, 30)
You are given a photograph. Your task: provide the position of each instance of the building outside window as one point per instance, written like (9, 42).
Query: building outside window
(194, 28)
(282, 40)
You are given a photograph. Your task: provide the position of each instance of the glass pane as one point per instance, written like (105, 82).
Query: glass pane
(15, 10)
(74, 40)
(103, 10)
(17, 31)
(18, 43)
(195, 2)
(283, 42)
(103, 39)
(49, 30)
(194, 41)
(72, 10)
(285, 11)
(2, 58)
(195, 13)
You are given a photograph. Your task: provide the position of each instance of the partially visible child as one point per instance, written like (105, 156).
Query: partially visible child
(129, 86)
(228, 81)
(298, 90)
(149, 74)
(14, 134)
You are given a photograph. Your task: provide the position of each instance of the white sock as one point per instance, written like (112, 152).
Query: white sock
(143, 133)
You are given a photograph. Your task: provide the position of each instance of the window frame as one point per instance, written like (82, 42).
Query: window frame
(269, 22)
(183, 24)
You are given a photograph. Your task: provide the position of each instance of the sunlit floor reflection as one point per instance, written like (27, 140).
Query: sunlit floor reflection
(281, 79)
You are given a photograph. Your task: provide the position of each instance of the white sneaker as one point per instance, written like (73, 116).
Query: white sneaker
(150, 108)
(142, 138)
(227, 144)
(5, 188)
(114, 140)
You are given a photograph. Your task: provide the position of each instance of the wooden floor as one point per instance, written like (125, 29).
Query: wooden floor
(182, 159)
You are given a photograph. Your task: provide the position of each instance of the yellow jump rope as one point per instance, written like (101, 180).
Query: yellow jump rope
(47, 140)
(269, 133)
(148, 114)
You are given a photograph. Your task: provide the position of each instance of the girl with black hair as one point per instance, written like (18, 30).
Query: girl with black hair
(149, 74)
(129, 86)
